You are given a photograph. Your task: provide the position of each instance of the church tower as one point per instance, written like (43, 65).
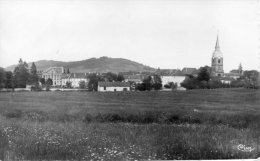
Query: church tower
(217, 62)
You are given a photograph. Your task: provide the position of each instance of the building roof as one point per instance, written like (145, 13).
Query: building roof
(233, 75)
(186, 71)
(114, 84)
(134, 77)
(54, 70)
(227, 79)
(74, 75)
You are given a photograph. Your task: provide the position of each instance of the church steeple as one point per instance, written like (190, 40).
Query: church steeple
(217, 61)
(217, 44)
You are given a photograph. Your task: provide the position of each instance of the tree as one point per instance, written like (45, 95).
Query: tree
(9, 80)
(21, 75)
(20, 61)
(110, 77)
(42, 80)
(214, 83)
(203, 84)
(171, 85)
(238, 83)
(190, 83)
(147, 83)
(34, 79)
(25, 64)
(156, 82)
(68, 84)
(2, 78)
(82, 84)
(204, 74)
(68, 71)
(251, 78)
(48, 84)
(140, 87)
(93, 81)
(33, 69)
(120, 78)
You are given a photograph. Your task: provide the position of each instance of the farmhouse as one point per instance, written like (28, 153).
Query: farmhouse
(113, 86)
(75, 79)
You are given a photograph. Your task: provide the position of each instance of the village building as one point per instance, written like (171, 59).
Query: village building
(217, 62)
(138, 78)
(55, 74)
(235, 73)
(113, 86)
(176, 79)
(74, 79)
(189, 71)
(178, 76)
(226, 80)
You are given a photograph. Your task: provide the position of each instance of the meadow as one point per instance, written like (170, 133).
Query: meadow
(196, 124)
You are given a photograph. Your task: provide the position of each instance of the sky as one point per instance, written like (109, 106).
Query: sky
(166, 34)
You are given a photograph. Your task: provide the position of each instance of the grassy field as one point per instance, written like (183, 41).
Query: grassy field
(197, 124)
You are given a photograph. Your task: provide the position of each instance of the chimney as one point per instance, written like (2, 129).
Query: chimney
(74, 75)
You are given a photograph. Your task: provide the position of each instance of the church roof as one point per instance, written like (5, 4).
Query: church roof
(217, 53)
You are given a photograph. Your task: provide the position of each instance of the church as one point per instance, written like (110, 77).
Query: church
(217, 62)
(217, 69)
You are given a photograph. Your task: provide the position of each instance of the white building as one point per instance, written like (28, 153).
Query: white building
(175, 79)
(226, 80)
(55, 74)
(113, 86)
(75, 79)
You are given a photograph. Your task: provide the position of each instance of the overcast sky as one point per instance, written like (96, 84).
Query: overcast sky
(159, 33)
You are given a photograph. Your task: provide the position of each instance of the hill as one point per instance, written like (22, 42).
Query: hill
(102, 64)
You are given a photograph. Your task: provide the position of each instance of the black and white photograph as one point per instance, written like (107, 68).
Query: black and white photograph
(129, 80)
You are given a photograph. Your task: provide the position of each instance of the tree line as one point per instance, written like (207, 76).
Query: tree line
(204, 80)
(20, 77)
(23, 75)
(151, 82)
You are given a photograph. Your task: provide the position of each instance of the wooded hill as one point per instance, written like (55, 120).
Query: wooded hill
(102, 65)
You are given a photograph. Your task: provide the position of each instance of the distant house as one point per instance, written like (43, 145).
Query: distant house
(74, 78)
(113, 86)
(189, 71)
(168, 71)
(226, 80)
(134, 78)
(235, 73)
(178, 79)
(54, 73)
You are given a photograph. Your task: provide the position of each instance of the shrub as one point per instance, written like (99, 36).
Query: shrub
(14, 113)
(190, 83)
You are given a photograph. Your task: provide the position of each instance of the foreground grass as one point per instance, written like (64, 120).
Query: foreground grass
(123, 141)
(201, 124)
